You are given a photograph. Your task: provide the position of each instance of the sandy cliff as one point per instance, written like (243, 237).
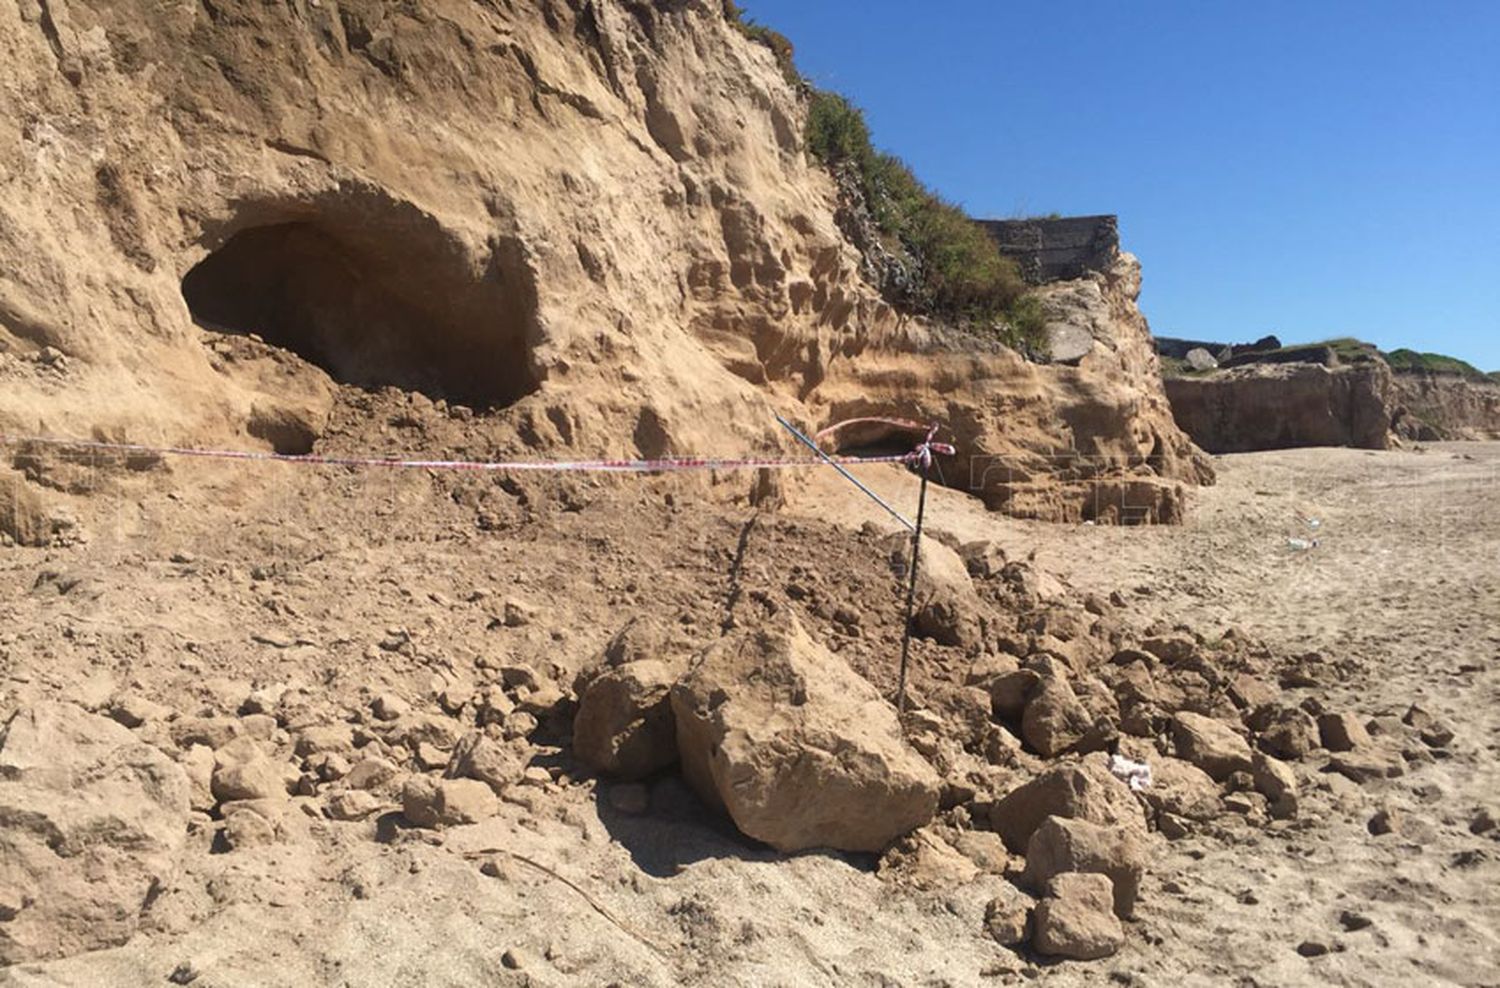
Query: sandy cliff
(591, 222)
(1281, 406)
(1445, 406)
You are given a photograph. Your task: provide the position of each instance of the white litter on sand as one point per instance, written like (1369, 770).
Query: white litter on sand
(1136, 775)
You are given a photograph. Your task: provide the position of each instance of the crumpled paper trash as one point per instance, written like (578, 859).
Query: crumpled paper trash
(1136, 775)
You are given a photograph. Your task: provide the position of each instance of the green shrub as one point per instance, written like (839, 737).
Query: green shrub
(1433, 363)
(836, 131)
(780, 45)
(962, 274)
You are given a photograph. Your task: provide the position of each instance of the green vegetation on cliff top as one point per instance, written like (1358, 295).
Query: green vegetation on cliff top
(960, 274)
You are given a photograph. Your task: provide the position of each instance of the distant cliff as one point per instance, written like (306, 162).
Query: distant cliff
(1446, 406)
(1340, 392)
(1279, 406)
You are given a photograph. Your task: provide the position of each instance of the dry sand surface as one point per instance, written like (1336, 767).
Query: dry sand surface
(199, 583)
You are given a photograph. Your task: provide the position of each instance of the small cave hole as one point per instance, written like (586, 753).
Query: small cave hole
(389, 302)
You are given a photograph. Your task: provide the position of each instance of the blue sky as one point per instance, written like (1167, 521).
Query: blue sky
(1312, 169)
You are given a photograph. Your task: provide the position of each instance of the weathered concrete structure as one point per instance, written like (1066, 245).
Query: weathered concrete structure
(1169, 346)
(1057, 249)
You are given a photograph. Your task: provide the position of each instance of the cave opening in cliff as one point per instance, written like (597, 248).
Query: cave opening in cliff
(374, 303)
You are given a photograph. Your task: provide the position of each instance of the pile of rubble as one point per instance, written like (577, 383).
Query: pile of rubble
(1047, 743)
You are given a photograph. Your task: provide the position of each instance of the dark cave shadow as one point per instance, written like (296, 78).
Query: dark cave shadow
(678, 830)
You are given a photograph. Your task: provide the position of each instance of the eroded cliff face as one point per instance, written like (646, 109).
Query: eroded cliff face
(1444, 406)
(591, 222)
(1281, 406)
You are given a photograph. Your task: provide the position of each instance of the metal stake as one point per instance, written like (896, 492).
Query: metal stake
(911, 587)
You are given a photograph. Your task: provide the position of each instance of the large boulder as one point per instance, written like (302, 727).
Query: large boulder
(624, 724)
(1082, 791)
(799, 749)
(91, 823)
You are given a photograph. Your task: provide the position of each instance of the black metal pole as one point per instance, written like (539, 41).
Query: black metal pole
(911, 588)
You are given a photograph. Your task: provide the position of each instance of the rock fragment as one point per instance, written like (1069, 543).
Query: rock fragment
(624, 726)
(1060, 845)
(1007, 919)
(1275, 780)
(1082, 791)
(1342, 732)
(1210, 744)
(429, 802)
(1077, 918)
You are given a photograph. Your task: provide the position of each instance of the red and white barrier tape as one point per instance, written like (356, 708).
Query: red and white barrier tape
(659, 465)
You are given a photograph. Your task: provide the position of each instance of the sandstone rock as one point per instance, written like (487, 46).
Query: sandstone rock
(1278, 783)
(1286, 732)
(925, 859)
(1294, 404)
(389, 706)
(244, 828)
(197, 763)
(1077, 919)
(1010, 691)
(1209, 744)
(624, 725)
(1250, 693)
(352, 804)
(983, 847)
(91, 823)
(323, 738)
(23, 520)
(1007, 918)
(477, 756)
(250, 776)
(1342, 732)
(1387, 820)
(1083, 791)
(1060, 845)
(132, 710)
(1171, 649)
(1054, 720)
(947, 606)
(987, 668)
(984, 559)
(797, 748)
(370, 772)
(429, 802)
(429, 757)
(1182, 789)
(1367, 765)
(214, 732)
(416, 729)
(642, 638)
(519, 724)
